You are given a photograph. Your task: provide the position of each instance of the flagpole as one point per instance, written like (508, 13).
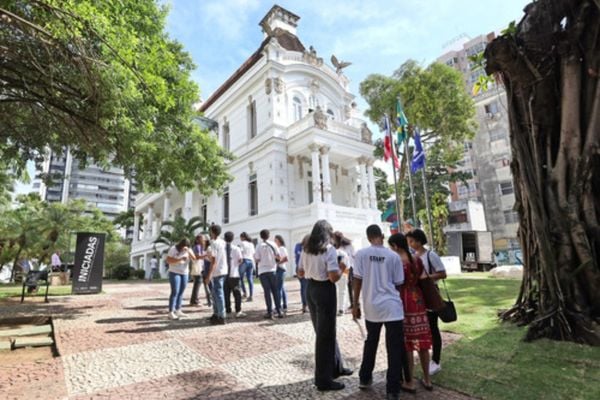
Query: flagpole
(410, 183)
(395, 178)
(426, 192)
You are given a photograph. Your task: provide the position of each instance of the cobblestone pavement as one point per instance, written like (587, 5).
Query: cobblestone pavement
(120, 345)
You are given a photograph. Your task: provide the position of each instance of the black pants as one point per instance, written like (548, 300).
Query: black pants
(436, 336)
(321, 297)
(394, 343)
(232, 285)
(194, 300)
(350, 277)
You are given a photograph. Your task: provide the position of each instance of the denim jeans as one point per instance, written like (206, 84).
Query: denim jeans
(178, 283)
(280, 282)
(303, 285)
(218, 295)
(268, 280)
(246, 272)
(394, 342)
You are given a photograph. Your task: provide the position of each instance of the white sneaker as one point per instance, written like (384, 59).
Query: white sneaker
(173, 315)
(180, 314)
(434, 368)
(240, 315)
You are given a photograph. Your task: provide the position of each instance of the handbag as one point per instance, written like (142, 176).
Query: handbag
(196, 267)
(448, 313)
(431, 294)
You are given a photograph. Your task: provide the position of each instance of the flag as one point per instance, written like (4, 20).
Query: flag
(402, 122)
(388, 151)
(418, 160)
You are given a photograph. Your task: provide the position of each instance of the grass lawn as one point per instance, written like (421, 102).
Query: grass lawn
(491, 361)
(14, 290)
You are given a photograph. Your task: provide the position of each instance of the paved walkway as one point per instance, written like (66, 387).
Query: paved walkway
(120, 345)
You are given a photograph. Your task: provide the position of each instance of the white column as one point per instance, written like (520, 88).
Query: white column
(326, 175)
(371, 179)
(136, 227)
(156, 225)
(166, 207)
(67, 176)
(316, 175)
(364, 184)
(187, 205)
(149, 222)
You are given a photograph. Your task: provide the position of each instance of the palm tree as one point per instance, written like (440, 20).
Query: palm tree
(171, 232)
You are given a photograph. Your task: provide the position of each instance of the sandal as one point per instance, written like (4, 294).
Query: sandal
(408, 389)
(426, 386)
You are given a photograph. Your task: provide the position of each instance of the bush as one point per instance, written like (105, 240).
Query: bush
(121, 272)
(140, 273)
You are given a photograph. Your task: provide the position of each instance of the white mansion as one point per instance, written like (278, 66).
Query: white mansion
(302, 153)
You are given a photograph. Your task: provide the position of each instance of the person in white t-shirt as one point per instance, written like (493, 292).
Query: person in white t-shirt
(281, 271)
(343, 243)
(318, 263)
(178, 259)
(233, 255)
(247, 266)
(379, 274)
(435, 268)
(266, 257)
(153, 267)
(216, 275)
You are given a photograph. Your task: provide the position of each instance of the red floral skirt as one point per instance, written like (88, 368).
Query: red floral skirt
(417, 335)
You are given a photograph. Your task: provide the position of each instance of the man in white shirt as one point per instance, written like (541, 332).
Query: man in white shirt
(234, 258)
(267, 257)
(55, 261)
(216, 274)
(378, 272)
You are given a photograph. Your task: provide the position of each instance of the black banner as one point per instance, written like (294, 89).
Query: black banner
(89, 262)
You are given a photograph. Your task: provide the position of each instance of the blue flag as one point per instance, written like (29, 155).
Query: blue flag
(418, 159)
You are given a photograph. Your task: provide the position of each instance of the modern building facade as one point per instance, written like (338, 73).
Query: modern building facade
(302, 152)
(106, 188)
(488, 155)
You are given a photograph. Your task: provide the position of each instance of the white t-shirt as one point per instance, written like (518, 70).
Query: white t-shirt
(316, 267)
(217, 250)
(181, 267)
(236, 259)
(343, 257)
(153, 263)
(380, 270)
(283, 253)
(349, 250)
(265, 257)
(436, 263)
(247, 250)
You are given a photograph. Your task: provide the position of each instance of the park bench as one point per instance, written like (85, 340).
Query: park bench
(32, 281)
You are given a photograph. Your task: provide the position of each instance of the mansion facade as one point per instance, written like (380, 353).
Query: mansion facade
(302, 153)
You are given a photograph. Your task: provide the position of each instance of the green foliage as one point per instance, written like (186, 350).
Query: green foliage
(104, 78)
(116, 253)
(171, 232)
(383, 189)
(510, 30)
(121, 272)
(139, 273)
(439, 216)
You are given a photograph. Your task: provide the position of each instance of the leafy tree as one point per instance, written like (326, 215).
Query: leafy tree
(171, 232)
(383, 189)
(439, 216)
(104, 78)
(549, 65)
(434, 99)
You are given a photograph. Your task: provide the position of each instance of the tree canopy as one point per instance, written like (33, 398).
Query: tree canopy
(104, 78)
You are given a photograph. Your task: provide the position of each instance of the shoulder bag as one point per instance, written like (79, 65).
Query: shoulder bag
(448, 312)
(431, 294)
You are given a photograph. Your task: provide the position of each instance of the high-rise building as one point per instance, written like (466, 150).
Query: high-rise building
(487, 157)
(106, 188)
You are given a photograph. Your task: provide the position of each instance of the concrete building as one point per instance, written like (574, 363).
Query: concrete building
(302, 152)
(488, 155)
(105, 188)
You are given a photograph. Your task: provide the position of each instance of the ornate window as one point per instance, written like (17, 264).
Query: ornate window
(297, 105)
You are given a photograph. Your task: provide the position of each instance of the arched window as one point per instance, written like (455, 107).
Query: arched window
(330, 113)
(297, 104)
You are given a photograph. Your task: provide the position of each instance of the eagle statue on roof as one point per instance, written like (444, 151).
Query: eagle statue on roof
(339, 65)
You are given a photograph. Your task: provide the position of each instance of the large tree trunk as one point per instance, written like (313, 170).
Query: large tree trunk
(550, 67)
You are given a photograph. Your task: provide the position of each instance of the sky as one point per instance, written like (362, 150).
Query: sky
(377, 36)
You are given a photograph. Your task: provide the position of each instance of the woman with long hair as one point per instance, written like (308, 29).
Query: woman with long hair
(319, 265)
(281, 271)
(247, 266)
(199, 250)
(178, 259)
(417, 335)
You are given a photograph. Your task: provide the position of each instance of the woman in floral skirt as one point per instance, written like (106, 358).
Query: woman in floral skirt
(417, 334)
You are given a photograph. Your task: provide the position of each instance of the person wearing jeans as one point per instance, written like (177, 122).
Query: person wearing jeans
(266, 257)
(302, 280)
(247, 266)
(281, 271)
(217, 274)
(379, 271)
(178, 259)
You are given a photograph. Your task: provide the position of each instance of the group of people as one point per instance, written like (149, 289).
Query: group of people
(388, 280)
(331, 275)
(224, 269)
